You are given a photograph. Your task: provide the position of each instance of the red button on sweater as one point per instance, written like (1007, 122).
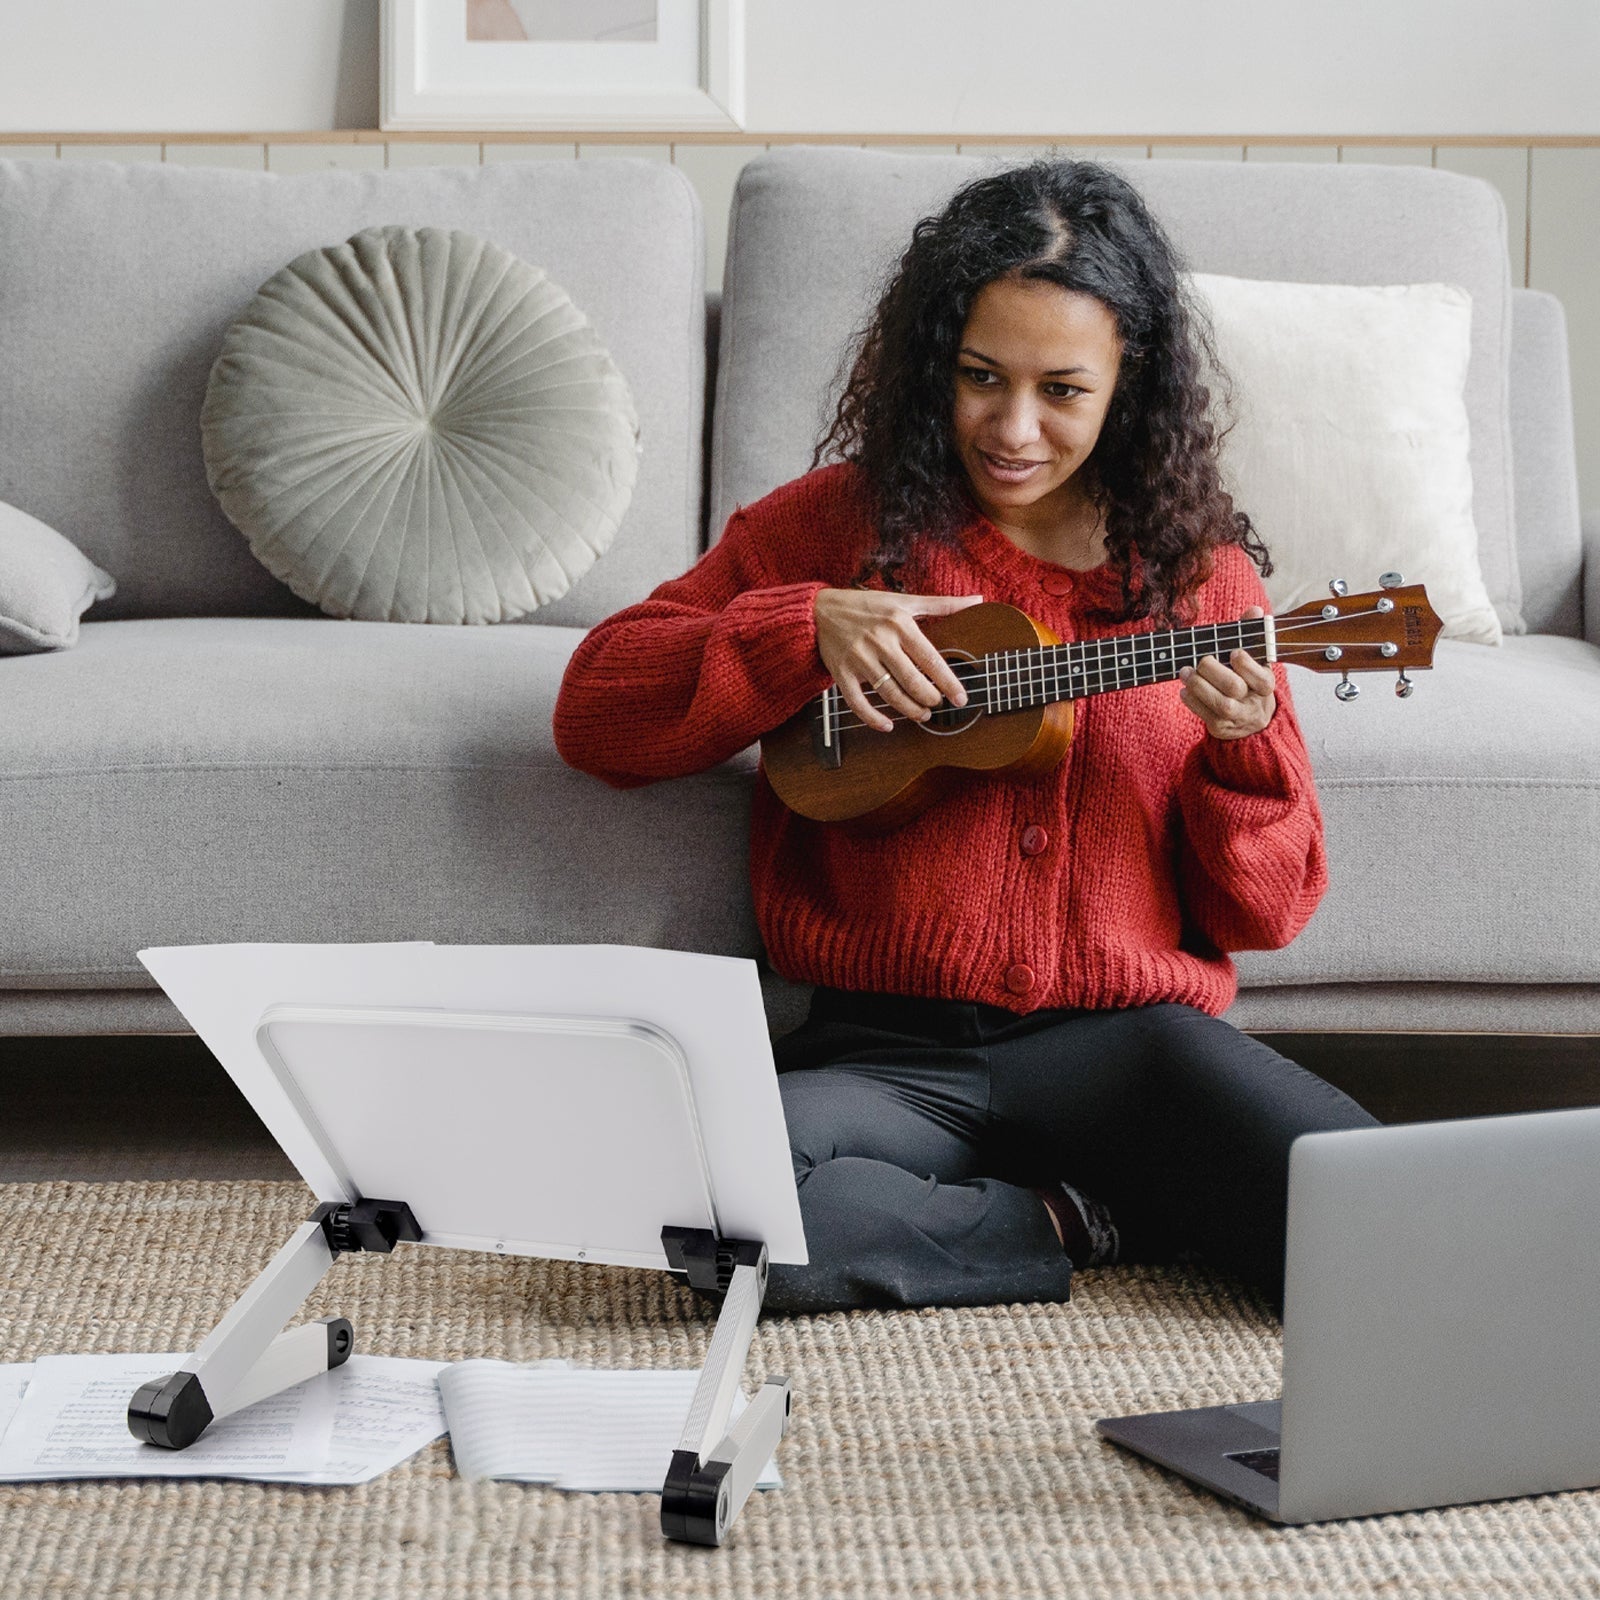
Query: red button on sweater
(1172, 847)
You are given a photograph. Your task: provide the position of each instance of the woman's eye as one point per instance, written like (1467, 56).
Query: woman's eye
(977, 375)
(1061, 391)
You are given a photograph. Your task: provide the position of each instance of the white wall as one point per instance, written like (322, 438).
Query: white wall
(1148, 67)
(1175, 66)
(188, 65)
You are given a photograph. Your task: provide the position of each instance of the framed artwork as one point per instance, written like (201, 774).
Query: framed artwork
(596, 65)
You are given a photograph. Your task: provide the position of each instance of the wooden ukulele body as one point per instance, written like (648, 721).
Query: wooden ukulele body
(910, 767)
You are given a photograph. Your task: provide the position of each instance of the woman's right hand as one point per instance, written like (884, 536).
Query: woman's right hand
(881, 660)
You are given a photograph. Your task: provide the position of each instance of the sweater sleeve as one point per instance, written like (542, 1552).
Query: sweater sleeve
(1252, 858)
(704, 667)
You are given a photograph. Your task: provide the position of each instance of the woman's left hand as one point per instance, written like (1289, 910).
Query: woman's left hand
(1235, 700)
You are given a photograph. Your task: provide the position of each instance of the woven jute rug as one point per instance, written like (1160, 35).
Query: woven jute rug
(934, 1454)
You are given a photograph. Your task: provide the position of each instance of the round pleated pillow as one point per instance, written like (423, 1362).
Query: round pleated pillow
(417, 426)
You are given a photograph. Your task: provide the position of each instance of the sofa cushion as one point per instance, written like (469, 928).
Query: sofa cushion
(145, 266)
(814, 233)
(1461, 822)
(46, 584)
(415, 426)
(209, 780)
(199, 780)
(1350, 434)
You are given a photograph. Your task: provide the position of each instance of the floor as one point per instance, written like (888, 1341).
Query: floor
(974, 1471)
(128, 1106)
(160, 1106)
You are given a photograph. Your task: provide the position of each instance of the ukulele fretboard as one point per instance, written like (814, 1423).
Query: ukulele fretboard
(1015, 680)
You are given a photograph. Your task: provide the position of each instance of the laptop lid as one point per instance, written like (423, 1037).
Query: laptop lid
(1442, 1314)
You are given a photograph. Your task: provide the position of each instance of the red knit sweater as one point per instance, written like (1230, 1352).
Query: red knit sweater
(1163, 847)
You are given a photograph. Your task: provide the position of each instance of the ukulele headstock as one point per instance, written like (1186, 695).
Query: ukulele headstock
(1389, 628)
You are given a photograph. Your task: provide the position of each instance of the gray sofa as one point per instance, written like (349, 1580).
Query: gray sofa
(216, 762)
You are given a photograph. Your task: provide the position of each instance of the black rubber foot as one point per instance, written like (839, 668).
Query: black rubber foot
(694, 1500)
(170, 1412)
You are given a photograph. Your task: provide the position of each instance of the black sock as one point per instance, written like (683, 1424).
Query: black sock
(1088, 1235)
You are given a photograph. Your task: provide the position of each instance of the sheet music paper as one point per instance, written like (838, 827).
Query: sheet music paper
(222, 989)
(711, 1006)
(386, 1408)
(73, 1423)
(346, 1426)
(573, 1428)
(500, 1428)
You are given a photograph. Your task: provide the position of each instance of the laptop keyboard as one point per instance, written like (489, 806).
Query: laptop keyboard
(1263, 1461)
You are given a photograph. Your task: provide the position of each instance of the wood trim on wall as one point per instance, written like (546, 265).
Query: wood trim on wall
(747, 137)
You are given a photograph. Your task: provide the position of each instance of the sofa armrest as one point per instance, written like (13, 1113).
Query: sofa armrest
(1591, 576)
(1545, 463)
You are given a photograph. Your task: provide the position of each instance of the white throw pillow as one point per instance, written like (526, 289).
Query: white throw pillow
(1349, 446)
(46, 584)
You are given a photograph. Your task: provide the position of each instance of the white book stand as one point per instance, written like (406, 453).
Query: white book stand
(568, 1136)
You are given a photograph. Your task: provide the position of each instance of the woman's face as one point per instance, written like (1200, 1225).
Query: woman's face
(1035, 374)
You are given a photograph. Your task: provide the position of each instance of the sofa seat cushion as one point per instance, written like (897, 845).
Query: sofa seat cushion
(1462, 823)
(205, 780)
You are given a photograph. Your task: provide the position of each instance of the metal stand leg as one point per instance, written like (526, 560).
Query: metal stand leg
(715, 1467)
(246, 1357)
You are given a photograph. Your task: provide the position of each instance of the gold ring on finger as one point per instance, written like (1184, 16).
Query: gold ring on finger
(878, 682)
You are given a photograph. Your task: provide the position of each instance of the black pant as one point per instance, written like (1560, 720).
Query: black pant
(919, 1127)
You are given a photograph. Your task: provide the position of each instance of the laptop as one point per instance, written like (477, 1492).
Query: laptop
(1441, 1329)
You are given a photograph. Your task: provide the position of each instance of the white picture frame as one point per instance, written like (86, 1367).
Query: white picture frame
(690, 78)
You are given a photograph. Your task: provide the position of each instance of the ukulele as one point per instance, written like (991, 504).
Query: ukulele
(1021, 682)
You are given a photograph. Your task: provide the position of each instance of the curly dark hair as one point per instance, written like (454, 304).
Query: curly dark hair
(1153, 473)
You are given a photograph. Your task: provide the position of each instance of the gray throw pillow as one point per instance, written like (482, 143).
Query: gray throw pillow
(417, 426)
(46, 584)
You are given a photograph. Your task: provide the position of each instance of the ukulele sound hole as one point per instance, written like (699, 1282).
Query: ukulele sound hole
(947, 718)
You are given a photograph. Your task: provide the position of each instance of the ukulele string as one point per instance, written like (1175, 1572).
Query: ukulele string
(845, 720)
(1322, 622)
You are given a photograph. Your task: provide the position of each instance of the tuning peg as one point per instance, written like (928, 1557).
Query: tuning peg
(1403, 687)
(1390, 580)
(1345, 690)
(1339, 587)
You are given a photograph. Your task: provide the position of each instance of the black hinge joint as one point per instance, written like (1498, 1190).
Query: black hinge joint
(376, 1225)
(705, 1260)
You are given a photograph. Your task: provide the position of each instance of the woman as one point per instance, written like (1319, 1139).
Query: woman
(1014, 1063)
